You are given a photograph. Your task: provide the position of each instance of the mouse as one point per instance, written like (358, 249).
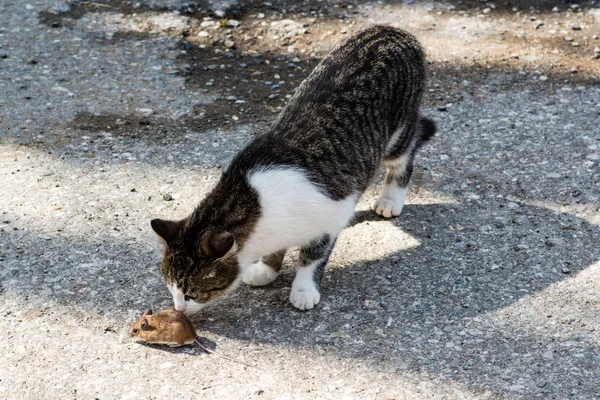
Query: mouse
(172, 328)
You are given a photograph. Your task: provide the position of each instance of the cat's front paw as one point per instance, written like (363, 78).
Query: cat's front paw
(259, 274)
(305, 295)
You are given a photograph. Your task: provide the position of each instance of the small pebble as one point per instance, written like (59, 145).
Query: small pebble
(229, 43)
(203, 34)
(220, 13)
(233, 22)
(167, 197)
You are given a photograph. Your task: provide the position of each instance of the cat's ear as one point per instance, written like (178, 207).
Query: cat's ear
(167, 230)
(218, 244)
(147, 312)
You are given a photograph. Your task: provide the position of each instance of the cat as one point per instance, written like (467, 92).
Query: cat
(297, 185)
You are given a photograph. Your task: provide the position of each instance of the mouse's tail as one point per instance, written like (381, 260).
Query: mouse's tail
(219, 354)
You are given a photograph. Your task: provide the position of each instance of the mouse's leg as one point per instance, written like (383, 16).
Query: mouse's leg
(313, 257)
(264, 271)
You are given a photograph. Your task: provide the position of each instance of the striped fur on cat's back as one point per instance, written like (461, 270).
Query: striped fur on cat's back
(297, 184)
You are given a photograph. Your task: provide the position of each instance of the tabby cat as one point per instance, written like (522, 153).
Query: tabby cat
(297, 185)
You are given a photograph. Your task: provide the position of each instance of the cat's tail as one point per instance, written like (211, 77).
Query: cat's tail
(427, 129)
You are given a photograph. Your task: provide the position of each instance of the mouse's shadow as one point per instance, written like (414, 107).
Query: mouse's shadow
(193, 349)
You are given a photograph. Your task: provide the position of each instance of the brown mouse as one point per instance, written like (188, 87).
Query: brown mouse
(170, 327)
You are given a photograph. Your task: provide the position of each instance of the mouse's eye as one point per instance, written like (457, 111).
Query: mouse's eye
(135, 331)
(189, 297)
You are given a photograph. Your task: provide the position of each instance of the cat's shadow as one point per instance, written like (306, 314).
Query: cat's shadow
(366, 215)
(470, 261)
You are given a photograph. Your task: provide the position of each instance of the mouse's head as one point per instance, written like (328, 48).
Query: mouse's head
(197, 265)
(141, 326)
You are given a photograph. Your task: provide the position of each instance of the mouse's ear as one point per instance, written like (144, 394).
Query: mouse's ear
(144, 324)
(147, 312)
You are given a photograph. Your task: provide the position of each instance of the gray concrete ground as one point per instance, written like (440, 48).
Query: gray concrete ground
(486, 287)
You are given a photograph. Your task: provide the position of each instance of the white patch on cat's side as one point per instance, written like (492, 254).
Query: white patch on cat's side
(293, 212)
(259, 274)
(305, 294)
(391, 202)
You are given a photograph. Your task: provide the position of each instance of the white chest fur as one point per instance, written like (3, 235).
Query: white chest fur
(293, 212)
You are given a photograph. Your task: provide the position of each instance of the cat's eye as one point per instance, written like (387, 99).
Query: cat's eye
(135, 331)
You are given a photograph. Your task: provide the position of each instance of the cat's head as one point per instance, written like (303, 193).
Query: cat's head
(197, 265)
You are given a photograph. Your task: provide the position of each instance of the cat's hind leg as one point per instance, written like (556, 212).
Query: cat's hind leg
(265, 270)
(313, 257)
(399, 165)
(391, 201)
